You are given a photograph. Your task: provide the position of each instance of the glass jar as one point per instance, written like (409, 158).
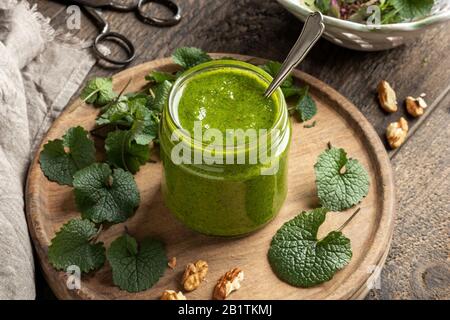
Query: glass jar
(224, 191)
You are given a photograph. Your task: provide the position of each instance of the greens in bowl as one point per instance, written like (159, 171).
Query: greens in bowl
(388, 11)
(373, 25)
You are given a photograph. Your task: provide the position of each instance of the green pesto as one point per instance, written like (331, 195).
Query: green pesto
(227, 207)
(226, 199)
(227, 98)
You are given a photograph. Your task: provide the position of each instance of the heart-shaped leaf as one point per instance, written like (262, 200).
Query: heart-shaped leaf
(300, 259)
(136, 267)
(341, 182)
(74, 245)
(103, 195)
(60, 159)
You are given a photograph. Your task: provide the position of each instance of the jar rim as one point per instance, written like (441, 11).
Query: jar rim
(281, 112)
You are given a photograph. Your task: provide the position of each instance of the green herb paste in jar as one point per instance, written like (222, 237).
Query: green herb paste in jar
(217, 179)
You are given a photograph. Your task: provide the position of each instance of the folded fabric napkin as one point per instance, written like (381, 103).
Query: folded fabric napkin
(39, 73)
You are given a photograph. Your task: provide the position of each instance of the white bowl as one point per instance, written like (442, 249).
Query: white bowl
(364, 37)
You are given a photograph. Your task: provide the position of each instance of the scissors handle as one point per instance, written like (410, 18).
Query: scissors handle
(122, 41)
(106, 35)
(160, 22)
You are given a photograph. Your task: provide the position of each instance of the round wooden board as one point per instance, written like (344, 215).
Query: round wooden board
(50, 205)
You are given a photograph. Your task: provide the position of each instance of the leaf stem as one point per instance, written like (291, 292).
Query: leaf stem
(116, 99)
(152, 93)
(90, 95)
(125, 145)
(118, 96)
(348, 220)
(95, 237)
(124, 88)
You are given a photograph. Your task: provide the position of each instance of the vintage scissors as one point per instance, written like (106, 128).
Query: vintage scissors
(137, 6)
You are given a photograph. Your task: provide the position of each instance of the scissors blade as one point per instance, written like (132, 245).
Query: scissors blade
(91, 3)
(101, 23)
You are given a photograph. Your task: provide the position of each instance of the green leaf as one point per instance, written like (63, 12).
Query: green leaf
(138, 99)
(73, 245)
(103, 195)
(188, 57)
(292, 91)
(60, 159)
(341, 182)
(272, 68)
(136, 267)
(123, 112)
(300, 259)
(323, 5)
(132, 111)
(287, 87)
(390, 15)
(116, 113)
(145, 130)
(123, 152)
(160, 77)
(306, 107)
(161, 95)
(99, 91)
(145, 124)
(411, 9)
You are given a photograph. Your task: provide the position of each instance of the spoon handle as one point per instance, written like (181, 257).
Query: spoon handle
(312, 30)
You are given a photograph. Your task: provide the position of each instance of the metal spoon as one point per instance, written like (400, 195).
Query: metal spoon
(312, 30)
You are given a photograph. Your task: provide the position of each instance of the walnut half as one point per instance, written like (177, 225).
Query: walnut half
(415, 106)
(172, 295)
(396, 133)
(229, 282)
(387, 97)
(194, 274)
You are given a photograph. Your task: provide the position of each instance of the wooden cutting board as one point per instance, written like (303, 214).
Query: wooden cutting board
(50, 205)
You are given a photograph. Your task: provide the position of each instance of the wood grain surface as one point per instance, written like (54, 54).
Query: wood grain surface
(263, 28)
(50, 205)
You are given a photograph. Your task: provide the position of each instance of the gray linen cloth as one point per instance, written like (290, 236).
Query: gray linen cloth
(38, 75)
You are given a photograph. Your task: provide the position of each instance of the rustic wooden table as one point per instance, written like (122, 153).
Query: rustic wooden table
(418, 266)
